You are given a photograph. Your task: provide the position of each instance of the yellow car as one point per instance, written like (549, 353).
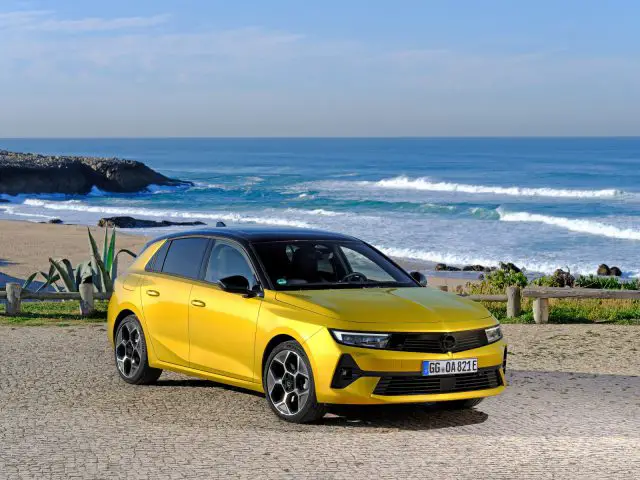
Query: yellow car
(310, 318)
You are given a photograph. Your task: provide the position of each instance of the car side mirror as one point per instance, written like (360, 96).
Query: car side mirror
(420, 278)
(235, 284)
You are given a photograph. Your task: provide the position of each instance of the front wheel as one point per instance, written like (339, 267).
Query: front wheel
(131, 353)
(289, 386)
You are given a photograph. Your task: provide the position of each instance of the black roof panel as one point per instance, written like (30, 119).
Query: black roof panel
(260, 234)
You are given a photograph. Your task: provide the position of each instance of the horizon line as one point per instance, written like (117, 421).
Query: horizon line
(318, 137)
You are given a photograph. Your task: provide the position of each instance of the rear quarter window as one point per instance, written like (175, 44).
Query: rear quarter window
(157, 260)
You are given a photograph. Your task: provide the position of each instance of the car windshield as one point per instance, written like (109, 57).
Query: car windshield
(311, 264)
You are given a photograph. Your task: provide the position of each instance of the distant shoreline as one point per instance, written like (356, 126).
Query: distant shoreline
(533, 201)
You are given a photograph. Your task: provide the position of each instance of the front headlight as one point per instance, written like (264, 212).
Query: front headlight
(493, 334)
(361, 339)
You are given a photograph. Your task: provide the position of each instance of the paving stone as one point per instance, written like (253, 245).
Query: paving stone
(64, 413)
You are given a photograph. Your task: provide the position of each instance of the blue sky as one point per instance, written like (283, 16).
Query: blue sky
(326, 68)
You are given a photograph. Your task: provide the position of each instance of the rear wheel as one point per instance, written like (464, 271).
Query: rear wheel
(461, 404)
(131, 353)
(289, 385)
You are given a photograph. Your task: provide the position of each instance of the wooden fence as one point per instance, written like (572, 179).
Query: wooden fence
(513, 297)
(14, 296)
(541, 295)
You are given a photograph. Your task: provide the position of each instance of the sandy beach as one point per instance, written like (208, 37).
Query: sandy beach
(25, 247)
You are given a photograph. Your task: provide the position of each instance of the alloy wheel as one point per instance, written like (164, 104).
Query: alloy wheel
(128, 343)
(288, 382)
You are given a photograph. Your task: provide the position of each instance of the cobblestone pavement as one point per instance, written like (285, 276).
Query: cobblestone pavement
(65, 414)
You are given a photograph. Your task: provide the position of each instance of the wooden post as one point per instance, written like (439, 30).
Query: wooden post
(541, 310)
(13, 298)
(87, 306)
(444, 288)
(514, 306)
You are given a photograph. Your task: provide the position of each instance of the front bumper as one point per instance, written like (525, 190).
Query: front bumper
(365, 376)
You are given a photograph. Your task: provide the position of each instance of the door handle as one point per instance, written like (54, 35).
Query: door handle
(198, 303)
(153, 293)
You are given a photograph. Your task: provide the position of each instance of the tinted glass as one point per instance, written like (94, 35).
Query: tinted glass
(227, 260)
(184, 257)
(328, 264)
(155, 264)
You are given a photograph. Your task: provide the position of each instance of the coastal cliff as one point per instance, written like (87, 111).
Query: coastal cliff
(34, 173)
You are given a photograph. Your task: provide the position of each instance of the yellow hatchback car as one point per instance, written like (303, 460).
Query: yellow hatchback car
(310, 318)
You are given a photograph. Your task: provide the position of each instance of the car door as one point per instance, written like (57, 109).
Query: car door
(222, 325)
(165, 293)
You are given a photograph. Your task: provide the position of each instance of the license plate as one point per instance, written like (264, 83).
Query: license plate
(449, 367)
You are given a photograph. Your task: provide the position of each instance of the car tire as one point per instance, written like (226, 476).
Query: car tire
(130, 353)
(289, 385)
(461, 404)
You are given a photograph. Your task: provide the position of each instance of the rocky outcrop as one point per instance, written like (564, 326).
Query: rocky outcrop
(34, 173)
(563, 278)
(615, 271)
(509, 267)
(441, 267)
(130, 222)
(477, 268)
(603, 270)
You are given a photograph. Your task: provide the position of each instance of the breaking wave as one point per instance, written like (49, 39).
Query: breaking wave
(425, 184)
(575, 225)
(458, 259)
(148, 212)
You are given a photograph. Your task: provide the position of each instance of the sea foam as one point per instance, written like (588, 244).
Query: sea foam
(148, 212)
(460, 259)
(426, 184)
(575, 225)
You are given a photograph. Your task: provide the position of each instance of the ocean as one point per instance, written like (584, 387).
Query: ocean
(542, 203)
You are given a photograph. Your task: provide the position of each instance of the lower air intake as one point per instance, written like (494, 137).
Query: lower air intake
(483, 379)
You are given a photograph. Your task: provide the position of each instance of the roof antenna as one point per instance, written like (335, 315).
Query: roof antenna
(221, 224)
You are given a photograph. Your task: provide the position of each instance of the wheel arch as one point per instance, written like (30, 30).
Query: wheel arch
(271, 345)
(124, 313)
(123, 310)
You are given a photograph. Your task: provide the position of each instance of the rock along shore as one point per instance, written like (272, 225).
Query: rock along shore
(75, 175)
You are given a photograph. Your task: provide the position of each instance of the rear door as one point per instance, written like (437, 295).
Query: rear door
(165, 293)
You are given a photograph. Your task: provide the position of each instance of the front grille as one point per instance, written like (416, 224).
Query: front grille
(483, 379)
(435, 342)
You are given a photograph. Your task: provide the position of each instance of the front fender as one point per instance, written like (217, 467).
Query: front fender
(278, 319)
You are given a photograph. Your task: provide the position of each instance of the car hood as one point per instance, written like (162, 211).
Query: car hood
(384, 305)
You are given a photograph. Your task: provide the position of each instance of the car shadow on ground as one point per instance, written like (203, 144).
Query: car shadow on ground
(404, 417)
(199, 383)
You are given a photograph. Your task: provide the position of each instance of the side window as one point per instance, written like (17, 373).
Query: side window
(184, 257)
(156, 261)
(227, 260)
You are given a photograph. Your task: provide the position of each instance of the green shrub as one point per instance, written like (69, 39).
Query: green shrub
(545, 281)
(611, 283)
(499, 280)
(560, 278)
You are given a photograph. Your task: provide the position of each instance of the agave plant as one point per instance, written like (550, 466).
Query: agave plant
(106, 268)
(102, 270)
(61, 270)
(50, 279)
